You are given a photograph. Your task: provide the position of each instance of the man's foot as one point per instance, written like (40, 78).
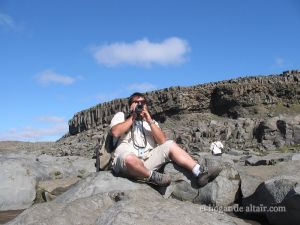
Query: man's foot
(207, 175)
(160, 179)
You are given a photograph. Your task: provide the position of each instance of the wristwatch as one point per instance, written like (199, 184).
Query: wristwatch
(152, 122)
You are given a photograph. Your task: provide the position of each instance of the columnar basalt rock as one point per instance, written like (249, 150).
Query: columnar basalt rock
(259, 112)
(222, 98)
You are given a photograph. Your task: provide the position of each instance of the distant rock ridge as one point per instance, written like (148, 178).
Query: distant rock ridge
(235, 98)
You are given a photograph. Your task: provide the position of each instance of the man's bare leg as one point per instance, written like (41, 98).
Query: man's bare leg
(135, 167)
(181, 157)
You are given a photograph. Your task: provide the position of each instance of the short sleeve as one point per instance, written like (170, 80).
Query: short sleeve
(156, 123)
(118, 118)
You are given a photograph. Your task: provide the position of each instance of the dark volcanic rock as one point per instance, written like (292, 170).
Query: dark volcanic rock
(245, 114)
(220, 98)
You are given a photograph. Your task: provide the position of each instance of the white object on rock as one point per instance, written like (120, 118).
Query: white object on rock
(216, 147)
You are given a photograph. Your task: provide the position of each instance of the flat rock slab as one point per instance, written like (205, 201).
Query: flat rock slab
(20, 174)
(253, 176)
(142, 206)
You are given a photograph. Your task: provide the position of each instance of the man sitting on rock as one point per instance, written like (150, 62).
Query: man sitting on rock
(142, 147)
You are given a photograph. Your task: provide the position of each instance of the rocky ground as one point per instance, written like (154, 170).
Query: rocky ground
(26, 147)
(256, 118)
(35, 177)
(66, 190)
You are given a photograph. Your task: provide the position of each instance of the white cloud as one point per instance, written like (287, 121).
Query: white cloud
(34, 134)
(56, 130)
(141, 87)
(104, 97)
(48, 76)
(100, 97)
(279, 62)
(51, 119)
(7, 21)
(143, 52)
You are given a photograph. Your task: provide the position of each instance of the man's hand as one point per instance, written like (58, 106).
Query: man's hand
(146, 115)
(157, 133)
(132, 110)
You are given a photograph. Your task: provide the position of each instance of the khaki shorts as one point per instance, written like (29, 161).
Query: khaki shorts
(158, 156)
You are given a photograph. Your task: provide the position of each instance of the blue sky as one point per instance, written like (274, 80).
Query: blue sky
(60, 57)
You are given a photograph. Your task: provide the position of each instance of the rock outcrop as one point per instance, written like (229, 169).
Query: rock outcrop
(220, 98)
(250, 113)
(20, 174)
(103, 199)
(272, 191)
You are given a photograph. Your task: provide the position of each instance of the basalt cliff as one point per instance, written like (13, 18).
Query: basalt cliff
(256, 113)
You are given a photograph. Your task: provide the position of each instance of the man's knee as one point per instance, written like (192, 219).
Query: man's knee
(166, 147)
(131, 160)
(167, 144)
(174, 149)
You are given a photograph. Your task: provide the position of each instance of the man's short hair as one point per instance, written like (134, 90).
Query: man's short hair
(135, 94)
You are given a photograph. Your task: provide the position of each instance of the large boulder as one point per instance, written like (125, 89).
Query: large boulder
(96, 183)
(94, 201)
(253, 176)
(278, 131)
(20, 174)
(183, 185)
(222, 191)
(17, 187)
(277, 198)
(268, 189)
